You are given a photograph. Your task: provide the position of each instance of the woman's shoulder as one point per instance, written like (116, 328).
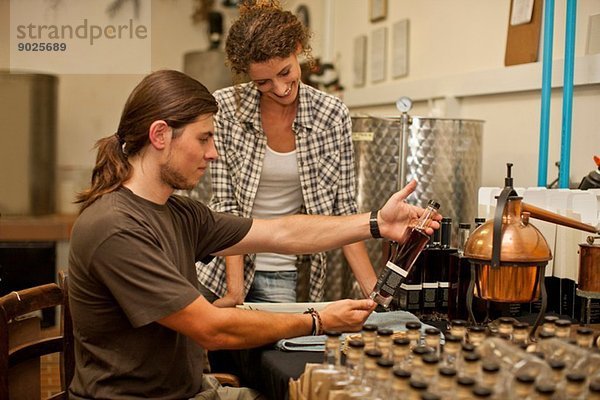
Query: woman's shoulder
(322, 104)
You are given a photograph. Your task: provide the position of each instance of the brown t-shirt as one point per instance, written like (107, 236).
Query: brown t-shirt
(132, 263)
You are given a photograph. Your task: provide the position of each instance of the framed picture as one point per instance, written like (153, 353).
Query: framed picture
(378, 54)
(360, 60)
(378, 10)
(400, 49)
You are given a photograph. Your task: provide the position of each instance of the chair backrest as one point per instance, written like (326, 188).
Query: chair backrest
(16, 352)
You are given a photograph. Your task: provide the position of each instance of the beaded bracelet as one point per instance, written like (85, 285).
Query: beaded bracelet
(317, 323)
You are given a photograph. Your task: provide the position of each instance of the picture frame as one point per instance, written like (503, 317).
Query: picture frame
(360, 60)
(377, 10)
(378, 56)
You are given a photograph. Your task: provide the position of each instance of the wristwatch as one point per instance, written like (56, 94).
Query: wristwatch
(374, 226)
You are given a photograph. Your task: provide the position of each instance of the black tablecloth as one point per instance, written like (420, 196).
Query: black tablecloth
(265, 369)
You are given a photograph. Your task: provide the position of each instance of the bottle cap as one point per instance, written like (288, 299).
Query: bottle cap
(369, 328)
(447, 371)
(434, 204)
(402, 373)
(385, 332)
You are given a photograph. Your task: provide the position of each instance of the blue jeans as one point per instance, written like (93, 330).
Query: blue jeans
(273, 287)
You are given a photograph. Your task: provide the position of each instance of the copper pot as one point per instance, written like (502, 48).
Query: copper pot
(524, 253)
(589, 266)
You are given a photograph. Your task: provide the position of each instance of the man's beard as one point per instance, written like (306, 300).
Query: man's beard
(174, 179)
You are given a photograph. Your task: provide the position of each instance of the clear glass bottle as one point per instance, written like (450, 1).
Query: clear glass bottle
(464, 387)
(384, 342)
(430, 367)
(471, 365)
(452, 351)
(401, 383)
(354, 360)
(369, 335)
(458, 328)
(521, 334)
(402, 258)
(491, 377)
(401, 352)
(563, 329)
(575, 388)
(594, 390)
(445, 385)
(432, 339)
(427, 395)
(383, 385)
(505, 326)
(585, 337)
(522, 386)
(417, 388)
(413, 332)
(476, 334)
(481, 392)
(326, 376)
(548, 325)
(577, 359)
(544, 391)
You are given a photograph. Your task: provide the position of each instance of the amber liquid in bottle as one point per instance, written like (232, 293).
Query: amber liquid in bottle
(402, 259)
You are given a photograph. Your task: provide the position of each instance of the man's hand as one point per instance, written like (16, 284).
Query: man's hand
(346, 315)
(397, 215)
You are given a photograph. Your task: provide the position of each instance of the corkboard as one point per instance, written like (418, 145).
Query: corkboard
(523, 41)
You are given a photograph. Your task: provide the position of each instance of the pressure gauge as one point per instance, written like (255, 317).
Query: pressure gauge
(404, 104)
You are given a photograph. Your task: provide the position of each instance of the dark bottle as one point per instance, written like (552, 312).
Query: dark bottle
(446, 251)
(428, 264)
(402, 258)
(459, 274)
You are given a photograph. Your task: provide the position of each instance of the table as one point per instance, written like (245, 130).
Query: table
(265, 369)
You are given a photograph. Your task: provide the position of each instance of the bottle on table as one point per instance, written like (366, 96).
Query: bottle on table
(402, 258)
(327, 376)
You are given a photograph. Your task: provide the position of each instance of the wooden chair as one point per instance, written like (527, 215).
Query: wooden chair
(21, 345)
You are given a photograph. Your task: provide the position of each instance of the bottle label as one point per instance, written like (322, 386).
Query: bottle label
(396, 269)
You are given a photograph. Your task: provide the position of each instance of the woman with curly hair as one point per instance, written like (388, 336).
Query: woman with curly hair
(285, 148)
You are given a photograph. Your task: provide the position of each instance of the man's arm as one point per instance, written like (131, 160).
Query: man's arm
(303, 234)
(231, 328)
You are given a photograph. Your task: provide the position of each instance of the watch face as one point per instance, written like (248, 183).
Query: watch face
(302, 14)
(404, 104)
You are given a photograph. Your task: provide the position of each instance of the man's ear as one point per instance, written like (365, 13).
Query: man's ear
(159, 134)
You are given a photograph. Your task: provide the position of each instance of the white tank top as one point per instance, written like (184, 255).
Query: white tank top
(279, 193)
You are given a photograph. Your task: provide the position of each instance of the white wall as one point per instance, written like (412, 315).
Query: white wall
(454, 45)
(456, 49)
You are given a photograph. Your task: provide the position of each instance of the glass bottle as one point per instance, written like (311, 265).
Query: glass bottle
(430, 396)
(476, 334)
(522, 386)
(383, 378)
(464, 387)
(558, 369)
(430, 367)
(354, 360)
(563, 329)
(401, 352)
(369, 335)
(575, 387)
(481, 392)
(452, 351)
(325, 377)
(432, 339)
(548, 324)
(417, 388)
(459, 276)
(446, 252)
(491, 377)
(400, 383)
(585, 337)
(413, 332)
(544, 391)
(458, 328)
(505, 326)
(575, 358)
(594, 390)
(445, 385)
(402, 258)
(471, 365)
(384, 342)
(521, 334)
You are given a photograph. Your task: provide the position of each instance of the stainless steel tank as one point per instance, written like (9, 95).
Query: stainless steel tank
(443, 155)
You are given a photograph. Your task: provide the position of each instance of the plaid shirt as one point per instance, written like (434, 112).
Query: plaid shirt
(325, 164)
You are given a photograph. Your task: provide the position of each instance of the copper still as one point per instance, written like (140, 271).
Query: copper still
(508, 254)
